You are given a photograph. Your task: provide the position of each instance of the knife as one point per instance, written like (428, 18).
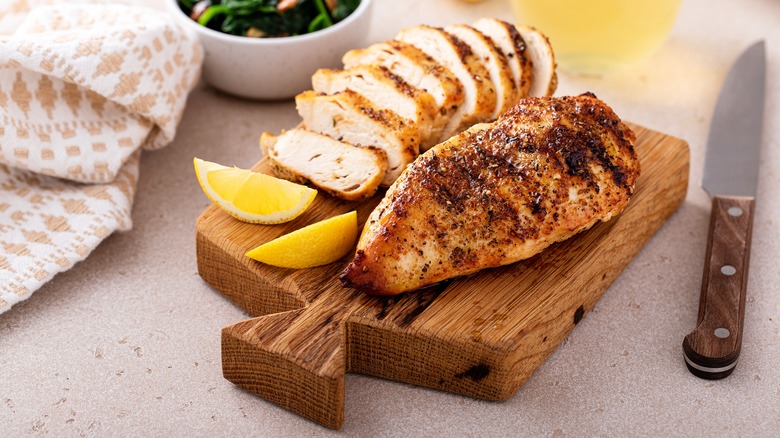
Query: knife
(730, 178)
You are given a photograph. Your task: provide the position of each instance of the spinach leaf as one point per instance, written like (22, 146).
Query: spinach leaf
(344, 8)
(261, 17)
(294, 21)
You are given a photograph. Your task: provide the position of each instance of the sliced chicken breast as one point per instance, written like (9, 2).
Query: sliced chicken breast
(543, 59)
(511, 43)
(418, 70)
(385, 90)
(458, 57)
(349, 117)
(343, 170)
(494, 60)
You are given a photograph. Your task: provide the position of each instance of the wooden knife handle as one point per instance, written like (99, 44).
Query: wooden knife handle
(712, 349)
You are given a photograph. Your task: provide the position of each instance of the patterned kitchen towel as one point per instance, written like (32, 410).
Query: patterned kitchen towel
(83, 89)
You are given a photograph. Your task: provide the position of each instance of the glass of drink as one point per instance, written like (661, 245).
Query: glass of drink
(593, 37)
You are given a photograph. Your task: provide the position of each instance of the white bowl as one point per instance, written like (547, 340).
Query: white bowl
(275, 68)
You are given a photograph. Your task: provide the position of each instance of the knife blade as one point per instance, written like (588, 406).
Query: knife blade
(730, 178)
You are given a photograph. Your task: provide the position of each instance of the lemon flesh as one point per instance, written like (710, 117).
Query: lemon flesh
(251, 196)
(315, 245)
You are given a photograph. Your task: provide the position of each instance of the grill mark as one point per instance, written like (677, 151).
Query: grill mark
(607, 125)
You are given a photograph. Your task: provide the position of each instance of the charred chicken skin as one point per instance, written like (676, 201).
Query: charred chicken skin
(498, 193)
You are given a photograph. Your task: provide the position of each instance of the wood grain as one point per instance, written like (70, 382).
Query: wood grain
(711, 352)
(481, 336)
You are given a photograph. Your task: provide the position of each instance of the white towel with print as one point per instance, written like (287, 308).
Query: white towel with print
(84, 87)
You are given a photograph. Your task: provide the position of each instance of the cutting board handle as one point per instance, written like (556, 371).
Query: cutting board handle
(295, 359)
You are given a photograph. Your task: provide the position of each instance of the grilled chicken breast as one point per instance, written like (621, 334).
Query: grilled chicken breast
(458, 57)
(348, 116)
(341, 169)
(418, 70)
(513, 46)
(387, 91)
(496, 63)
(404, 96)
(543, 61)
(498, 193)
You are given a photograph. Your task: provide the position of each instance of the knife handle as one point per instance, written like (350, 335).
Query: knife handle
(712, 349)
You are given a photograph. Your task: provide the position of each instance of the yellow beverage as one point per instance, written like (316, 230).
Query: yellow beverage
(598, 36)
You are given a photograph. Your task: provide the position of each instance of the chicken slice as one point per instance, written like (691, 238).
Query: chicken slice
(498, 193)
(420, 71)
(511, 43)
(385, 90)
(458, 57)
(348, 172)
(543, 60)
(496, 63)
(349, 117)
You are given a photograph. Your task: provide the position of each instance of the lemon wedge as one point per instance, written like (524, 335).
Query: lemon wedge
(314, 245)
(252, 196)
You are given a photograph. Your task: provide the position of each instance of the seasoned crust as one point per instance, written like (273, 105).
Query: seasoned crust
(540, 51)
(511, 43)
(496, 63)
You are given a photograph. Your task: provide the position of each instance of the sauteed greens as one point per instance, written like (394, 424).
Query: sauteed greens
(268, 18)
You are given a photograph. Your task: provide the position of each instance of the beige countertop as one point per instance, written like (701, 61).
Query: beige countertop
(128, 341)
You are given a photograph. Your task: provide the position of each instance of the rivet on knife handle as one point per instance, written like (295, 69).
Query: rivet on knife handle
(712, 349)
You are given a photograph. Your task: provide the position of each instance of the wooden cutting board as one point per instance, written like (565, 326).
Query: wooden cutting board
(481, 335)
